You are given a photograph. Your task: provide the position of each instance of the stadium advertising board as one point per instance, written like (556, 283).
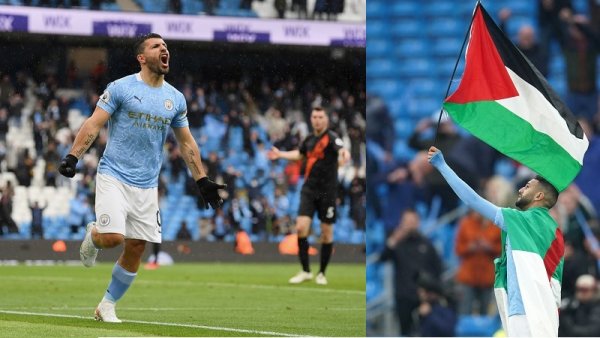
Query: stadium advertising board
(181, 27)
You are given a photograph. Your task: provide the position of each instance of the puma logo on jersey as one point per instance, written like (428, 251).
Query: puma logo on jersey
(137, 98)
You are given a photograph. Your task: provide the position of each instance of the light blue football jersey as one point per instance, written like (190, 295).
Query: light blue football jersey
(140, 117)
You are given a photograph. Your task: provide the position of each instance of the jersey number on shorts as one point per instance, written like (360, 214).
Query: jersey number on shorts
(330, 212)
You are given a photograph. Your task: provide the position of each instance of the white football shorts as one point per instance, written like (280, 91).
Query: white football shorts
(127, 210)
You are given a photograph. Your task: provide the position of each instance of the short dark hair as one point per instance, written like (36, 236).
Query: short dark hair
(550, 192)
(138, 47)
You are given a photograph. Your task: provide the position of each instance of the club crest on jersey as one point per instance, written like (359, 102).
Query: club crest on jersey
(168, 104)
(104, 220)
(105, 96)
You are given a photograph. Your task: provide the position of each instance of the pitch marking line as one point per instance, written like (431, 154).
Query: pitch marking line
(215, 328)
(235, 285)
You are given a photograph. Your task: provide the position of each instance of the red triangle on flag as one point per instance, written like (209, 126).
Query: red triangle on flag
(485, 77)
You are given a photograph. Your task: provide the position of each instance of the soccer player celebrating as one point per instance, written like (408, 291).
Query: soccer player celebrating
(323, 151)
(529, 270)
(139, 109)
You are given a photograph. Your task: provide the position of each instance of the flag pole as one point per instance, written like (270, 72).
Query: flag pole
(437, 128)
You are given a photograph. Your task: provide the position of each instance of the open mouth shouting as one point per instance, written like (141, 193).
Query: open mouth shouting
(164, 60)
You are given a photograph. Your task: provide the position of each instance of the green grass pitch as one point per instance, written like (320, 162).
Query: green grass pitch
(200, 299)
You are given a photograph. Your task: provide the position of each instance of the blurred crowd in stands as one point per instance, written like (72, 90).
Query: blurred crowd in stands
(297, 9)
(235, 122)
(428, 234)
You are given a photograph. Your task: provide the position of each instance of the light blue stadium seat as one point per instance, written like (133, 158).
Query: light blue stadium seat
(439, 9)
(477, 326)
(406, 28)
(423, 107)
(412, 48)
(446, 65)
(524, 8)
(191, 7)
(377, 29)
(426, 87)
(383, 68)
(114, 7)
(397, 107)
(404, 128)
(377, 10)
(446, 27)
(386, 88)
(404, 8)
(378, 47)
(417, 67)
(447, 46)
(402, 151)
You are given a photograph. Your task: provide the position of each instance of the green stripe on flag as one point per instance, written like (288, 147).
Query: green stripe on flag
(513, 136)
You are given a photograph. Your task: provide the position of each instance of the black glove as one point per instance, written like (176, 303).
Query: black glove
(67, 166)
(209, 193)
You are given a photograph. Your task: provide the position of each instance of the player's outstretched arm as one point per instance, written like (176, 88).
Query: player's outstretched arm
(85, 137)
(292, 155)
(462, 190)
(209, 190)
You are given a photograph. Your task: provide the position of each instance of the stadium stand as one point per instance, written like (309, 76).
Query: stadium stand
(230, 116)
(411, 52)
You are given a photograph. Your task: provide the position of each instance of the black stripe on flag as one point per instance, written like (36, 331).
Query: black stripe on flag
(518, 63)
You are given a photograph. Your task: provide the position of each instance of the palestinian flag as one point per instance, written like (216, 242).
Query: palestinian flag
(503, 100)
(538, 255)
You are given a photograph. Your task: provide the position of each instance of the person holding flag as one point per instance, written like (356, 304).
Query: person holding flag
(503, 100)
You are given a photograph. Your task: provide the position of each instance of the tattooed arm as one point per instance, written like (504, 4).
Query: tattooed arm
(190, 152)
(89, 131)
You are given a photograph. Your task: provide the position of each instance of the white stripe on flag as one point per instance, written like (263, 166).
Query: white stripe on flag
(538, 298)
(533, 107)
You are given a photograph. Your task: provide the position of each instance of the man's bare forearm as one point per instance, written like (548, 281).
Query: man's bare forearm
(191, 156)
(84, 139)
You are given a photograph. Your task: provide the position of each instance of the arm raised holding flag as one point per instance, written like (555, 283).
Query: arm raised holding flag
(529, 270)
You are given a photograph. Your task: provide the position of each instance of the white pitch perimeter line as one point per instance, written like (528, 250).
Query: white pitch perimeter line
(215, 328)
(236, 285)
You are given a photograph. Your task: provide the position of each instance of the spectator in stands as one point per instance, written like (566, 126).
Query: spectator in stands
(300, 7)
(6, 90)
(413, 254)
(52, 158)
(37, 220)
(477, 244)
(280, 7)
(432, 181)
(209, 6)
(580, 47)
(437, 317)
(3, 124)
(246, 4)
(380, 137)
(549, 22)
(221, 225)
(526, 41)
(183, 233)
(588, 179)
(577, 263)
(24, 170)
(175, 6)
(579, 316)
(356, 192)
(6, 206)
(79, 213)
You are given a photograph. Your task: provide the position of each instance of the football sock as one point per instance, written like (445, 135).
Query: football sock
(120, 282)
(326, 249)
(303, 253)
